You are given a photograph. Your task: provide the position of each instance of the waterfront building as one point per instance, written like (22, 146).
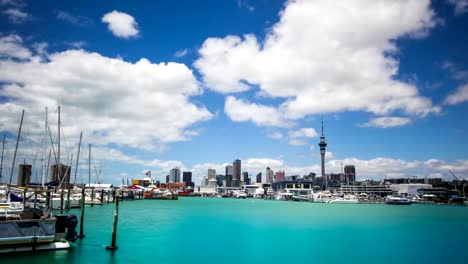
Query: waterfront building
(167, 178)
(376, 190)
(211, 174)
(259, 177)
(187, 178)
(236, 176)
(279, 176)
(322, 146)
(298, 186)
(269, 175)
(220, 179)
(174, 175)
(410, 189)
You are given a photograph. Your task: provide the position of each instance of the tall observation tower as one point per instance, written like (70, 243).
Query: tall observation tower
(322, 146)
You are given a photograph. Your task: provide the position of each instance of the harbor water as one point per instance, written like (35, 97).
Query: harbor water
(221, 230)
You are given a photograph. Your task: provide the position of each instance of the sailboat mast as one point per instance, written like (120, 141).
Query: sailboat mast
(59, 168)
(78, 157)
(89, 165)
(16, 150)
(1, 162)
(45, 150)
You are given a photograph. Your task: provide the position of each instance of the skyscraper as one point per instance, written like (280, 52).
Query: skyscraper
(322, 146)
(228, 174)
(259, 177)
(350, 174)
(269, 175)
(236, 176)
(187, 178)
(174, 175)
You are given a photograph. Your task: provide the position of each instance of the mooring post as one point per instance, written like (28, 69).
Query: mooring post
(35, 199)
(92, 196)
(108, 196)
(113, 195)
(102, 196)
(24, 197)
(48, 199)
(61, 202)
(114, 227)
(82, 205)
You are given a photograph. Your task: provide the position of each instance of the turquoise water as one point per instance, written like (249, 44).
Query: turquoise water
(217, 230)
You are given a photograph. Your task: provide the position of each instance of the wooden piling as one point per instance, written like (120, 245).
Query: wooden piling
(92, 196)
(114, 227)
(61, 202)
(82, 205)
(102, 196)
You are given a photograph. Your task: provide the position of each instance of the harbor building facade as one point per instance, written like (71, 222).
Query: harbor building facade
(24, 174)
(187, 178)
(236, 176)
(61, 173)
(228, 173)
(269, 175)
(279, 176)
(174, 175)
(259, 178)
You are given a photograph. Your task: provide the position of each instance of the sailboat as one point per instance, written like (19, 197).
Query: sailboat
(31, 229)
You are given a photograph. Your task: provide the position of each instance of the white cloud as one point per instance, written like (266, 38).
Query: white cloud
(303, 132)
(297, 142)
(73, 19)
(143, 105)
(245, 4)
(15, 3)
(181, 53)
(329, 155)
(459, 96)
(461, 6)
(324, 56)
(16, 16)
(122, 25)
(240, 111)
(275, 135)
(11, 47)
(386, 122)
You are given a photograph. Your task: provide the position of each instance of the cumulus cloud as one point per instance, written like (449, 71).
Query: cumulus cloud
(297, 142)
(16, 16)
(386, 122)
(459, 96)
(11, 46)
(240, 111)
(303, 132)
(461, 6)
(143, 105)
(122, 25)
(324, 56)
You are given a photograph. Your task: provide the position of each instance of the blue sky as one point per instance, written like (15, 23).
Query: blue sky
(198, 84)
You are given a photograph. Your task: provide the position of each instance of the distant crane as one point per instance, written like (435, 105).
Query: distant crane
(457, 181)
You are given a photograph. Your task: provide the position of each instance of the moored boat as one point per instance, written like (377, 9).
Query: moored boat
(397, 199)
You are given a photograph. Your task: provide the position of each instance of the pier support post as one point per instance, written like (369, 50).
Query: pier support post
(114, 227)
(102, 196)
(108, 196)
(92, 196)
(82, 205)
(113, 195)
(61, 202)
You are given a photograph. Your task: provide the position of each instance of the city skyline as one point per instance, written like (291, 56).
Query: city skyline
(158, 86)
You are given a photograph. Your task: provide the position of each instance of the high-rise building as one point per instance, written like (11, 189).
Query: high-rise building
(187, 178)
(236, 175)
(211, 174)
(245, 176)
(174, 175)
(228, 174)
(24, 174)
(279, 176)
(322, 146)
(259, 177)
(269, 175)
(350, 173)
